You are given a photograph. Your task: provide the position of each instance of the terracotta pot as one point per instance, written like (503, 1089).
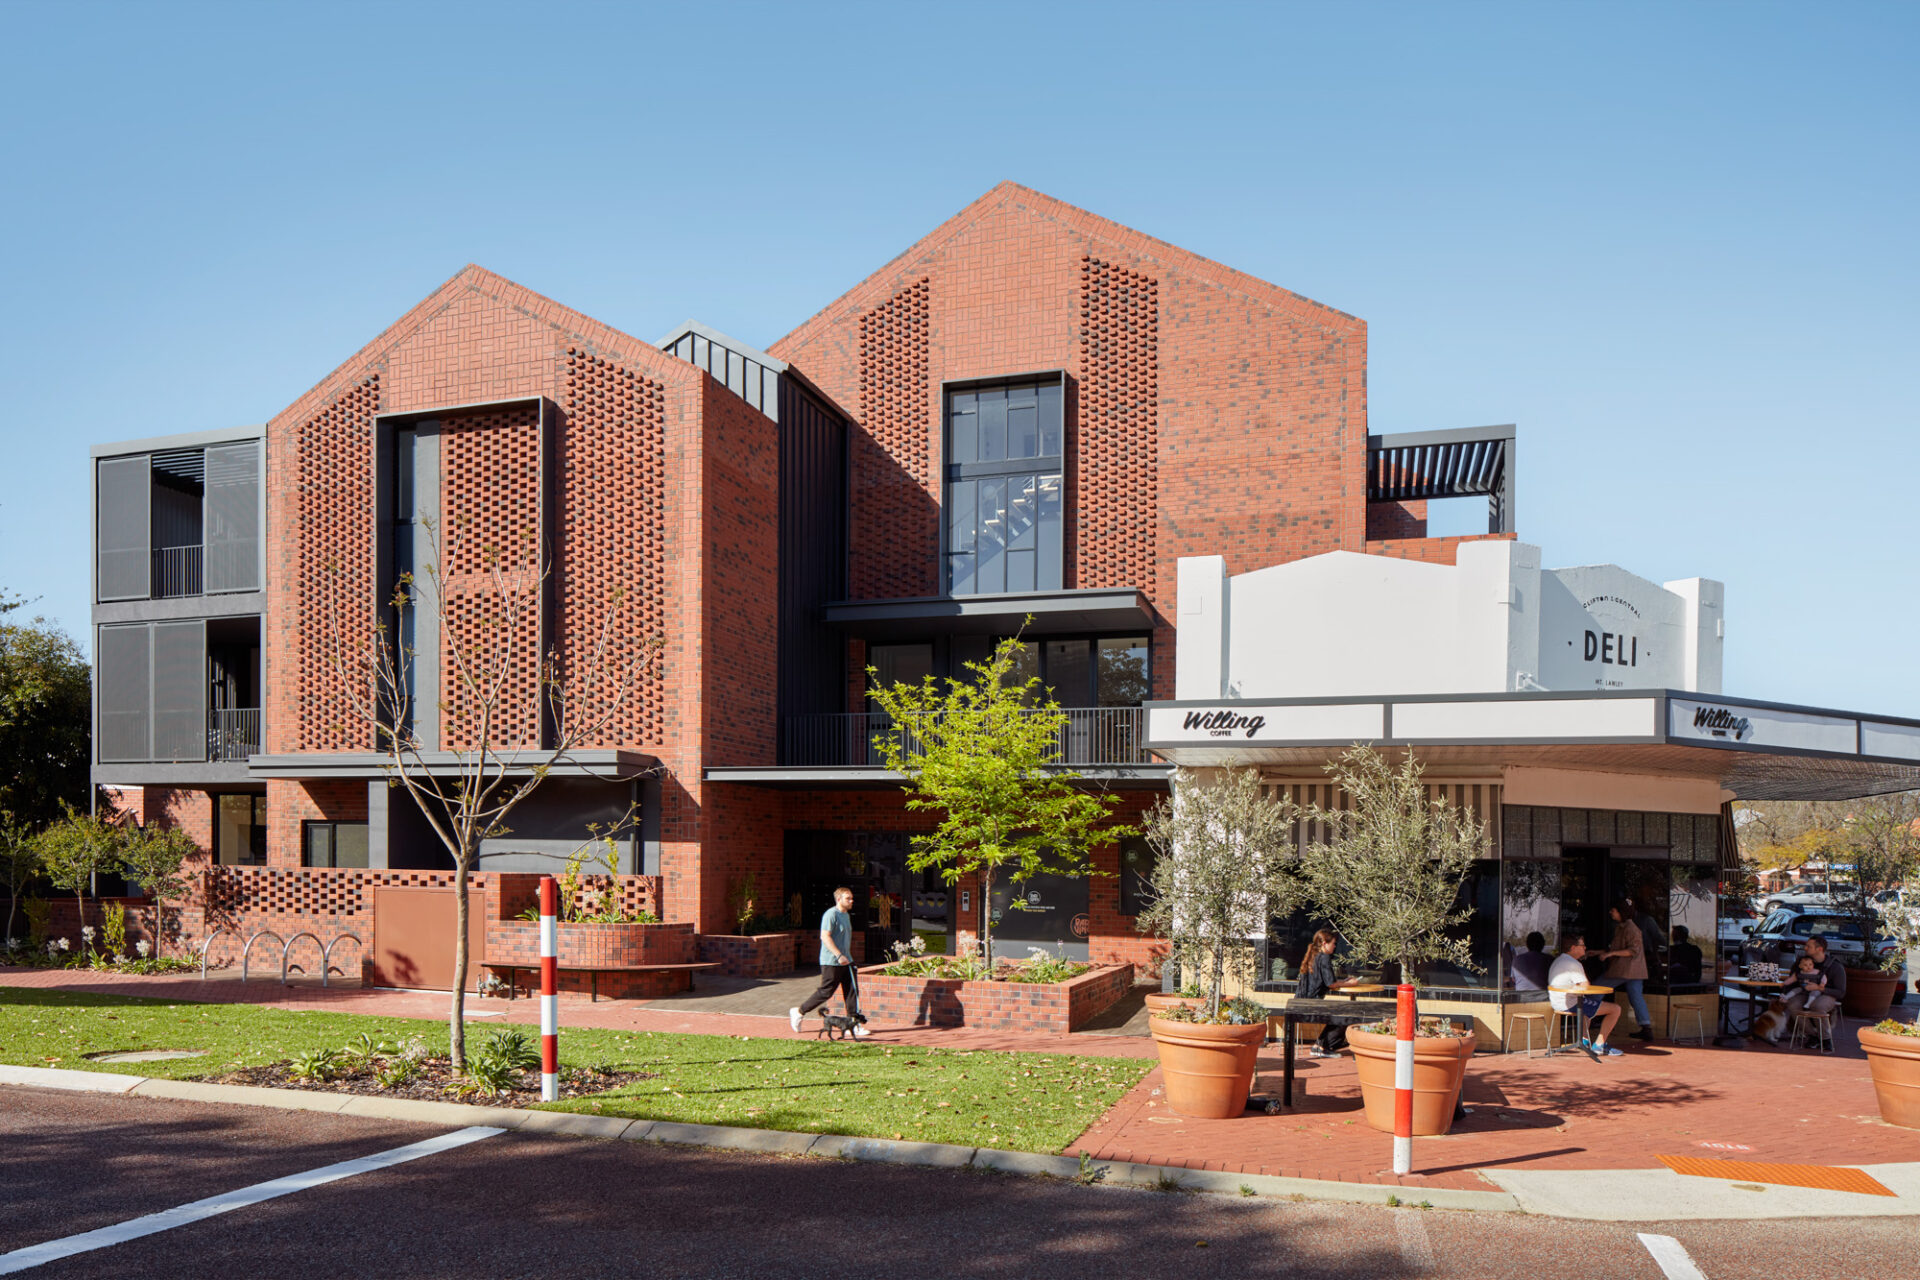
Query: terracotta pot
(1894, 1062)
(1439, 1068)
(1207, 1069)
(1160, 1001)
(1869, 993)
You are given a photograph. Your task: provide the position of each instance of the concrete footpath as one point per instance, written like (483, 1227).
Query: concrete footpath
(1614, 1195)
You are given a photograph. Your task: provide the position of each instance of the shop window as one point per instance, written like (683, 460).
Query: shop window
(1004, 487)
(240, 831)
(1480, 896)
(333, 844)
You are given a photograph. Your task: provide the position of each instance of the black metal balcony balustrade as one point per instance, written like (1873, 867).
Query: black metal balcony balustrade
(1090, 736)
(233, 734)
(178, 571)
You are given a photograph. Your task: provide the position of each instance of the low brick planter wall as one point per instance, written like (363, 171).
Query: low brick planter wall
(758, 955)
(516, 943)
(806, 949)
(994, 1006)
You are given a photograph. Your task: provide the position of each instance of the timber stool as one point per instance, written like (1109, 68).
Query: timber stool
(1816, 1028)
(1679, 1009)
(1546, 1032)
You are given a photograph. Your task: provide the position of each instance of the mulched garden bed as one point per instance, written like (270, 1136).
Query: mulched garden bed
(430, 1084)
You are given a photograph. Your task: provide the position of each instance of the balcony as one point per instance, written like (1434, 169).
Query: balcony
(1091, 736)
(233, 734)
(178, 571)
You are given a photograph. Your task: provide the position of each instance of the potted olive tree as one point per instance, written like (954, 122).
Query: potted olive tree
(1388, 876)
(1225, 865)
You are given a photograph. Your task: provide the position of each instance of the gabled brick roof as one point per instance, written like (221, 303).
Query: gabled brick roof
(1107, 237)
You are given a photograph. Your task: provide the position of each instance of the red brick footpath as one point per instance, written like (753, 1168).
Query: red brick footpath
(1568, 1112)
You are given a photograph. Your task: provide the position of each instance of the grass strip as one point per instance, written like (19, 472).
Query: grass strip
(1015, 1101)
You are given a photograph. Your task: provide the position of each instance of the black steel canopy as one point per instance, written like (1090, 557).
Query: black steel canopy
(1467, 463)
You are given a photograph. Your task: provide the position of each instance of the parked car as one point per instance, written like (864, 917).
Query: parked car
(1811, 894)
(1736, 917)
(1784, 932)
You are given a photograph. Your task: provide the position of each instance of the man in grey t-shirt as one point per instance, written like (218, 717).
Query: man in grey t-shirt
(836, 964)
(1820, 992)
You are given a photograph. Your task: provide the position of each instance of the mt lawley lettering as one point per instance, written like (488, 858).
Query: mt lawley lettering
(1722, 723)
(1220, 724)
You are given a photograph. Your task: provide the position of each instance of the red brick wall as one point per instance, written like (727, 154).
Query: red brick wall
(994, 1006)
(1115, 484)
(491, 513)
(895, 546)
(289, 804)
(1387, 521)
(1431, 550)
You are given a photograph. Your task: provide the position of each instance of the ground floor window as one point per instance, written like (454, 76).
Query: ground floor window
(240, 831)
(333, 844)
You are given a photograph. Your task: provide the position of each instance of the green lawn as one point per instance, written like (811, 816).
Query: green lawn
(1019, 1101)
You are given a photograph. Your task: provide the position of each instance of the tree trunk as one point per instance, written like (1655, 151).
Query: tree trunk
(80, 911)
(1219, 976)
(456, 1019)
(986, 918)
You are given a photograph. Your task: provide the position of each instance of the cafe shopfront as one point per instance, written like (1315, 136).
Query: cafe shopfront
(1576, 713)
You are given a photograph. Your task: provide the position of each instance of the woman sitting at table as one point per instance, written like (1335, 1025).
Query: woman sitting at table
(1316, 982)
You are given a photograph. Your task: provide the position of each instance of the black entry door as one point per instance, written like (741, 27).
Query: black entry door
(1043, 911)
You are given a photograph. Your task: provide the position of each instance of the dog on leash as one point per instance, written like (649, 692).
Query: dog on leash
(834, 1026)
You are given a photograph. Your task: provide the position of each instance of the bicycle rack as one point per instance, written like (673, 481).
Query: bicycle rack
(287, 947)
(248, 950)
(326, 953)
(208, 945)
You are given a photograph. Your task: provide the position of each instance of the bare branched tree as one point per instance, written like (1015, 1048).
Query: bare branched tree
(510, 712)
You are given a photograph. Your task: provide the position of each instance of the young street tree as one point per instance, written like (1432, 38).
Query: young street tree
(984, 754)
(508, 714)
(19, 864)
(157, 857)
(1388, 872)
(1225, 864)
(75, 849)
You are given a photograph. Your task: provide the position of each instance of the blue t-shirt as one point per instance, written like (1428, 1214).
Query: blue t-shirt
(837, 925)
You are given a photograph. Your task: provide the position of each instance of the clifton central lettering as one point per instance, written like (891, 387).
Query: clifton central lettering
(1221, 723)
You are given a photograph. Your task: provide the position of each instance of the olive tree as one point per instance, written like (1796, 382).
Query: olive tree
(1225, 864)
(1388, 871)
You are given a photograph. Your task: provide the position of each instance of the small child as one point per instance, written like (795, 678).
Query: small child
(1808, 977)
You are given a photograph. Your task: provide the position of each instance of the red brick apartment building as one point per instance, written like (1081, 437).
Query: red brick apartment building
(1032, 411)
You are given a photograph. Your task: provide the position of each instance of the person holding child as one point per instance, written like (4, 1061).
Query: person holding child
(1817, 985)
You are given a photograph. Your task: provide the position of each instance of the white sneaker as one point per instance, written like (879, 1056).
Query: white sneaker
(860, 1032)
(793, 1019)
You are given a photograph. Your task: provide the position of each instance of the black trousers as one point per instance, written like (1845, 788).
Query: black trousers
(1332, 1039)
(835, 976)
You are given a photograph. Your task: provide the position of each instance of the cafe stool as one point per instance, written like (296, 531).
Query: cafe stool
(1677, 1010)
(1571, 1024)
(1816, 1028)
(1546, 1032)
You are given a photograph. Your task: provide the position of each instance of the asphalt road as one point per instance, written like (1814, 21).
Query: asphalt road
(524, 1205)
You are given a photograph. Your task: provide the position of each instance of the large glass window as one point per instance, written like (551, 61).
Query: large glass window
(1004, 485)
(240, 834)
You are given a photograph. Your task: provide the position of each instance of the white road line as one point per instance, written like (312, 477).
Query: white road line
(1415, 1249)
(167, 1219)
(1671, 1258)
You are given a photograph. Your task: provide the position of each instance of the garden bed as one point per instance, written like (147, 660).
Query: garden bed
(432, 1081)
(610, 948)
(997, 1005)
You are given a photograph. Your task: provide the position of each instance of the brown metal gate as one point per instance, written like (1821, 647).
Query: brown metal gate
(413, 937)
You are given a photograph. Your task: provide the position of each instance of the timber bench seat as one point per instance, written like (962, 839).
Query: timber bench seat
(594, 972)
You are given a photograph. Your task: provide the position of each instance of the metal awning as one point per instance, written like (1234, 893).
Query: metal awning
(1756, 750)
(1466, 463)
(1119, 609)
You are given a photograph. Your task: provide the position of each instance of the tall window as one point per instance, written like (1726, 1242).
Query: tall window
(1004, 451)
(240, 835)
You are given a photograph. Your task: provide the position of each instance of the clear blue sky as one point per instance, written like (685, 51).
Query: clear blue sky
(1676, 245)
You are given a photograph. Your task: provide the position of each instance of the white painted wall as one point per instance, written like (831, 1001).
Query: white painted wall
(1345, 625)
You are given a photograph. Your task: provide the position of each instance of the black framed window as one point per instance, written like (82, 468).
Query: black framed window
(333, 844)
(1005, 482)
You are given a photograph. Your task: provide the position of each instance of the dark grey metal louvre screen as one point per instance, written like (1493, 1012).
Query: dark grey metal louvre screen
(233, 517)
(180, 691)
(122, 495)
(124, 658)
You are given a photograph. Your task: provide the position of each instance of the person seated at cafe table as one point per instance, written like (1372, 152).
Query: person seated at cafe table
(1570, 974)
(1316, 981)
(1530, 967)
(1818, 992)
(1687, 960)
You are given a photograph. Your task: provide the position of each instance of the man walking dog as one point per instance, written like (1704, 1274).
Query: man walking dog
(836, 965)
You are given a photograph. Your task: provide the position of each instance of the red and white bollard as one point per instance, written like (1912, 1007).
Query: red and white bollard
(549, 993)
(1403, 1083)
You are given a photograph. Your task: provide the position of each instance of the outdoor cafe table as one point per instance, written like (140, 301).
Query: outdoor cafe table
(1588, 990)
(1752, 987)
(1344, 1013)
(1354, 990)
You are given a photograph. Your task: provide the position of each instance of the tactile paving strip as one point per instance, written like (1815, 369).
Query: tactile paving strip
(1818, 1176)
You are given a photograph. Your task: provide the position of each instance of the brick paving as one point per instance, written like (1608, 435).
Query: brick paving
(1528, 1113)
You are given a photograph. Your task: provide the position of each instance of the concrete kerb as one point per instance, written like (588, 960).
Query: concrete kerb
(1533, 1196)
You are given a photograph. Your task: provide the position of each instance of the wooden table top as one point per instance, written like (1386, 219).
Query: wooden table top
(1356, 988)
(1588, 990)
(1755, 982)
